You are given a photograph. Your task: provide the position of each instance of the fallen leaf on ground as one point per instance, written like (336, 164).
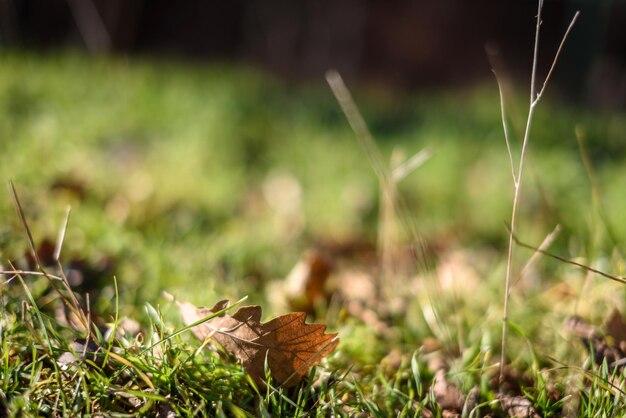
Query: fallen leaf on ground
(81, 350)
(600, 347)
(512, 381)
(616, 329)
(290, 346)
(449, 397)
(518, 406)
(305, 285)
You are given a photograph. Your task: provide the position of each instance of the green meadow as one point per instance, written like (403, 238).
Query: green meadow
(210, 182)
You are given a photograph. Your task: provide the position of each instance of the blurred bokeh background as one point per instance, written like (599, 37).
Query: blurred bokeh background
(200, 146)
(405, 44)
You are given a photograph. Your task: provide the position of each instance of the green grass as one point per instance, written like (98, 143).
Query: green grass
(170, 171)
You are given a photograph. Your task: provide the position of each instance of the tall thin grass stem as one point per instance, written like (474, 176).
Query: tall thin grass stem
(519, 173)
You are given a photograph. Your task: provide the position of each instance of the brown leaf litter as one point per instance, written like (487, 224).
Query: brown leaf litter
(305, 285)
(289, 345)
(517, 406)
(449, 396)
(609, 346)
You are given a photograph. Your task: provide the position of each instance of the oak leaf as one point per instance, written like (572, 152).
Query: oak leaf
(290, 346)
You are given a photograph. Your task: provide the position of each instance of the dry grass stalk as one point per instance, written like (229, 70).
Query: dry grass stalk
(519, 171)
(392, 206)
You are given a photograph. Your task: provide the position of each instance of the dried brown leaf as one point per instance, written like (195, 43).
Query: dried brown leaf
(290, 346)
(305, 285)
(518, 406)
(601, 347)
(512, 381)
(616, 328)
(449, 397)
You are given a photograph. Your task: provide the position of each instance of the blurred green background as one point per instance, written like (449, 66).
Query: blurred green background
(209, 180)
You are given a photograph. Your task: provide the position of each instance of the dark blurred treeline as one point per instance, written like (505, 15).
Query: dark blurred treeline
(406, 44)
